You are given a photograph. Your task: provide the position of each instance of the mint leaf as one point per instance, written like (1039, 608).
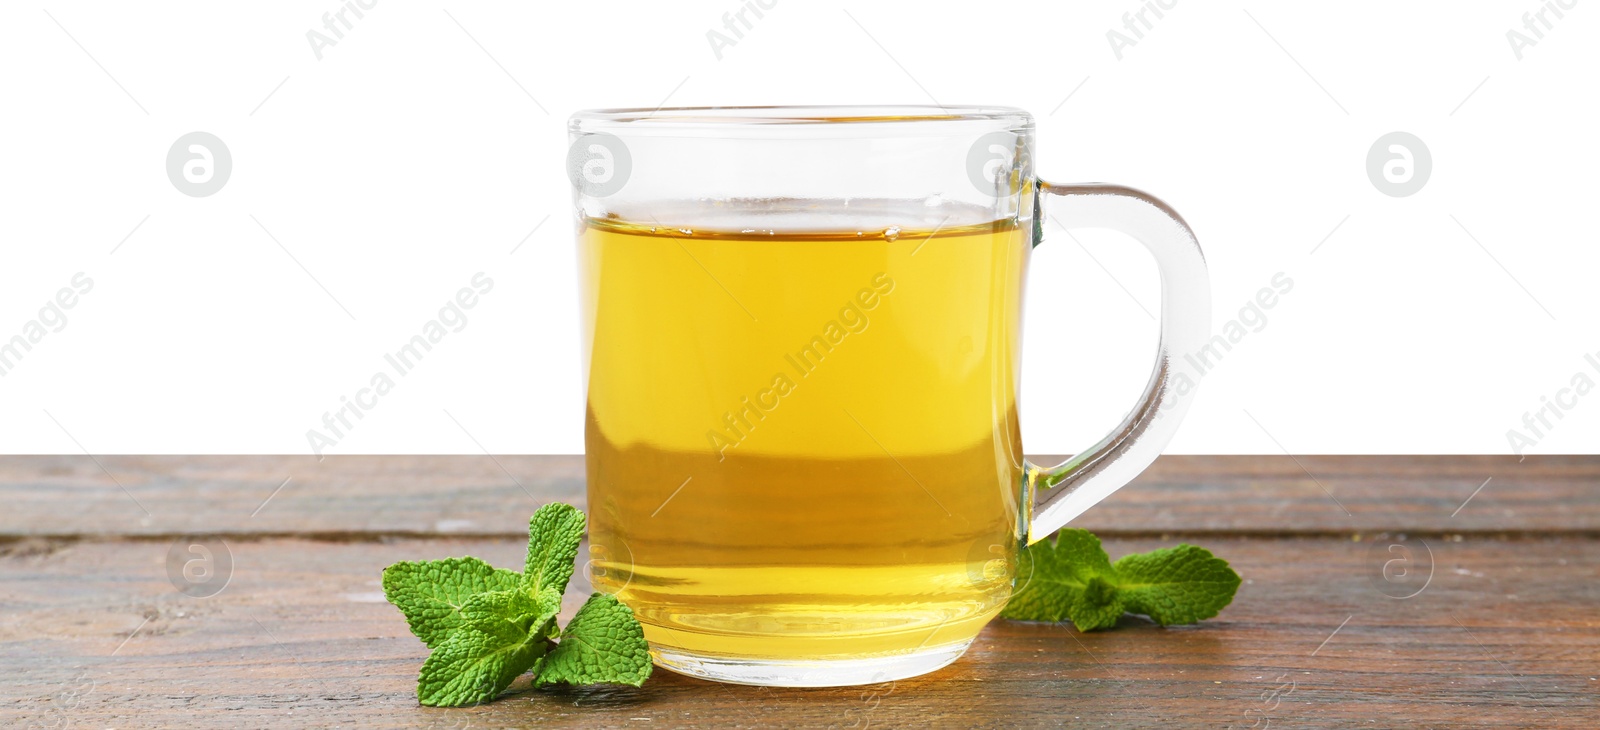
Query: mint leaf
(487, 626)
(473, 667)
(553, 537)
(1071, 578)
(502, 634)
(603, 644)
(430, 593)
(523, 611)
(1177, 585)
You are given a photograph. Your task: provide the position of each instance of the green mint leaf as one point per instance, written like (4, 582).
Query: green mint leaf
(473, 667)
(501, 635)
(487, 626)
(1071, 578)
(522, 611)
(603, 644)
(430, 593)
(553, 537)
(1177, 585)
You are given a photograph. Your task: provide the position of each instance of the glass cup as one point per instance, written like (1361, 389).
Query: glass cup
(801, 346)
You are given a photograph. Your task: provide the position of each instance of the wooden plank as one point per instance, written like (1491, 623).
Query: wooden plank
(1504, 633)
(485, 496)
(1351, 494)
(351, 495)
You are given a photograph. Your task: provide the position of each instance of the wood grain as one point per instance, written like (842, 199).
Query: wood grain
(1506, 632)
(72, 496)
(1503, 629)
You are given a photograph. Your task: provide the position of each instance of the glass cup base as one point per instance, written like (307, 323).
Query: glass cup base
(810, 672)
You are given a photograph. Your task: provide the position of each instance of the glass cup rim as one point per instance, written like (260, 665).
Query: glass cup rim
(711, 118)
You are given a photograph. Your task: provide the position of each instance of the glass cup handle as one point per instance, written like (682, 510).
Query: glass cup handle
(1059, 493)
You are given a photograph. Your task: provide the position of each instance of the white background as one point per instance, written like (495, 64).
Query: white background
(410, 157)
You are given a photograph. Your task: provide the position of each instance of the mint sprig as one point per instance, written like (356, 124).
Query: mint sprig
(1073, 578)
(601, 644)
(486, 626)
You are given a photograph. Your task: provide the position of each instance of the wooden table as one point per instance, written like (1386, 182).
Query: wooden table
(1503, 629)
